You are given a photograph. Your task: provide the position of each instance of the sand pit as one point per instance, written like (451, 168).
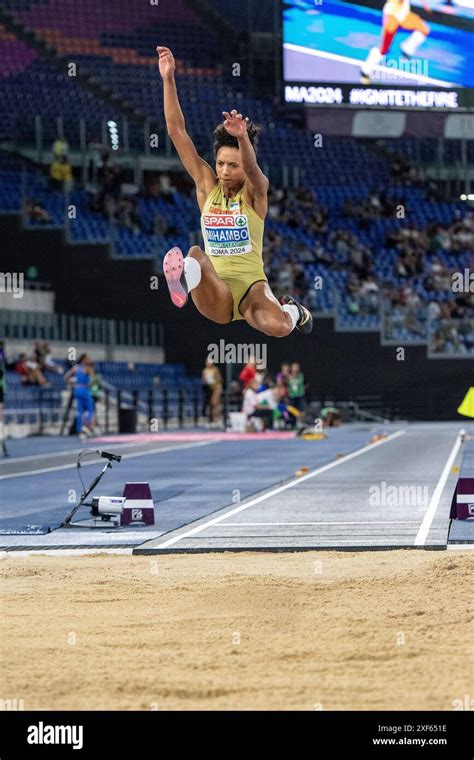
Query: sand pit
(306, 630)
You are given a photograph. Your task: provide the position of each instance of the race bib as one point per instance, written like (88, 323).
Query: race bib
(226, 234)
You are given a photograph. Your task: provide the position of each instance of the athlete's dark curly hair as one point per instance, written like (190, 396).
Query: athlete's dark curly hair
(223, 139)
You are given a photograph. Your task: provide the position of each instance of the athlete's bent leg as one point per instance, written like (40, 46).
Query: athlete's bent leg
(262, 311)
(420, 31)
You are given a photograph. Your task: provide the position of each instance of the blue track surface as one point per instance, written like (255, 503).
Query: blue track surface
(215, 493)
(186, 483)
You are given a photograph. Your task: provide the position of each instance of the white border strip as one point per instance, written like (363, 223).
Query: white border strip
(434, 502)
(394, 73)
(334, 522)
(277, 490)
(98, 460)
(14, 460)
(62, 552)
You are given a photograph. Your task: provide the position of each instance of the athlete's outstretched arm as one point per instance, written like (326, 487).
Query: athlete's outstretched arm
(199, 170)
(236, 125)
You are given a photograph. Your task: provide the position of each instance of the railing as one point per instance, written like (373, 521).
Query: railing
(451, 338)
(28, 325)
(367, 309)
(394, 320)
(133, 138)
(152, 410)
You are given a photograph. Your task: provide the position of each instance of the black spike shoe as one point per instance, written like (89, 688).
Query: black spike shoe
(305, 322)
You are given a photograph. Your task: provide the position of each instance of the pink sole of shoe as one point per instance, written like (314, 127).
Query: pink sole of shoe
(173, 266)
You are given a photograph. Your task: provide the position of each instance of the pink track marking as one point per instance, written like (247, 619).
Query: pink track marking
(269, 435)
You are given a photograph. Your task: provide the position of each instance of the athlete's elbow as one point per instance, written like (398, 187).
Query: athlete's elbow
(175, 130)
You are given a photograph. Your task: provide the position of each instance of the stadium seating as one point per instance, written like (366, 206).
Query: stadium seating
(114, 43)
(158, 384)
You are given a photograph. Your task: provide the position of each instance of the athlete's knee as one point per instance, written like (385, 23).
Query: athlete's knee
(425, 29)
(391, 26)
(275, 327)
(221, 320)
(197, 253)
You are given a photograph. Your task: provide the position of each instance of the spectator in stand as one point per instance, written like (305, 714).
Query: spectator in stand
(110, 176)
(466, 334)
(126, 214)
(369, 295)
(167, 190)
(282, 376)
(374, 202)
(321, 256)
(60, 148)
(288, 412)
(212, 382)
(60, 173)
(248, 374)
(286, 277)
(296, 387)
(255, 406)
(44, 356)
(160, 226)
(35, 212)
(412, 302)
(30, 372)
(433, 192)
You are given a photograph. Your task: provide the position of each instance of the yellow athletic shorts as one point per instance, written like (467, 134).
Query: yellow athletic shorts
(239, 273)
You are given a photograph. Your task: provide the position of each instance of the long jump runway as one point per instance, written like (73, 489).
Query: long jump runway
(221, 492)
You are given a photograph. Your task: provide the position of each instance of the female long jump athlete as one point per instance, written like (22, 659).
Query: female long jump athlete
(396, 14)
(227, 281)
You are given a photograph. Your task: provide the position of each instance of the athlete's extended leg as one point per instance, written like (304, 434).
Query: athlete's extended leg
(212, 298)
(263, 312)
(420, 31)
(195, 274)
(389, 29)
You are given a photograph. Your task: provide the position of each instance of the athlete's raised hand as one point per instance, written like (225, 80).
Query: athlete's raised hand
(235, 123)
(166, 62)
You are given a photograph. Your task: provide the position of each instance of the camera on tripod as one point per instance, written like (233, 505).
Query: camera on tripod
(107, 509)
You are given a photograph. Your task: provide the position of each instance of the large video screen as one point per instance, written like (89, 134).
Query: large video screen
(395, 53)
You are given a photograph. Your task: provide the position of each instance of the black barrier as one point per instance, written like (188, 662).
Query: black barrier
(127, 419)
(196, 403)
(41, 391)
(180, 407)
(151, 405)
(107, 411)
(165, 409)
